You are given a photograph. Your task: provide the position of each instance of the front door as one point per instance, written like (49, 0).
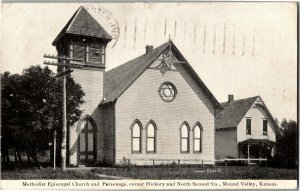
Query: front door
(87, 143)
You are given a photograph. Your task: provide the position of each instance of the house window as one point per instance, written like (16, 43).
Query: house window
(198, 138)
(184, 138)
(265, 127)
(248, 126)
(136, 140)
(151, 137)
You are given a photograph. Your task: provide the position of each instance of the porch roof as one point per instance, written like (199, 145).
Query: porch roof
(258, 141)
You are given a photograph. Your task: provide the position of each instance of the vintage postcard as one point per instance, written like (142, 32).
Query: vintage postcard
(156, 95)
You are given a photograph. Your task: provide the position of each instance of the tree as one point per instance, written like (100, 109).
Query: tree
(32, 110)
(287, 143)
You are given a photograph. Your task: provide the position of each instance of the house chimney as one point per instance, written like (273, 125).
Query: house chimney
(230, 98)
(149, 48)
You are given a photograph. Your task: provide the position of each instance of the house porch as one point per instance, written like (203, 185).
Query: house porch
(255, 148)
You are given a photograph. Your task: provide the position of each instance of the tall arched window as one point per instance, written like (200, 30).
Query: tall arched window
(198, 138)
(136, 134)
(184, 138)
(151, 137)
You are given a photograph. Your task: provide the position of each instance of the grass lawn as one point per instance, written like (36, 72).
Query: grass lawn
(233, 172)
(159, 172)
(47, 173)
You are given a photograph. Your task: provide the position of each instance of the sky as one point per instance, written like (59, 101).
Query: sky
(241, 48)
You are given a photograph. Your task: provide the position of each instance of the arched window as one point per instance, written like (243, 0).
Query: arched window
(198, 138)
(136, 134)
(151, 137)
(184, 138)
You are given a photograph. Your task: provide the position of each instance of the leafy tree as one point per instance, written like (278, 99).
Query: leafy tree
(287, 143)
(32, 110)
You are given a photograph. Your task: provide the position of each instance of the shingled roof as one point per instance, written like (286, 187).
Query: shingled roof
(82, 23)
(117, 80)
(233, 112)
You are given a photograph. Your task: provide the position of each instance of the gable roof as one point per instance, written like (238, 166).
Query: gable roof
(82, 23)
(233, 112)
(117, 80)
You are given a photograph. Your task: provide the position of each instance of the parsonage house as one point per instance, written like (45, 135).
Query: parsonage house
(154, 107)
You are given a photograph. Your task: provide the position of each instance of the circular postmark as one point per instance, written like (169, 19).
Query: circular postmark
(107, 21)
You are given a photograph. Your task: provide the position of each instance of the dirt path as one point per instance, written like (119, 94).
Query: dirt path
(110, 177)
(102, 176)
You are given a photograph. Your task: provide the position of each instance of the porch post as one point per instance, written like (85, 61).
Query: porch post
(248, 153)
(260, 153)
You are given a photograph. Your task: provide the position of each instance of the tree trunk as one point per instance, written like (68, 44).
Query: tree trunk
(28, 157)
(5, 156)
(15, 154)
(33, 155)
(19, 156)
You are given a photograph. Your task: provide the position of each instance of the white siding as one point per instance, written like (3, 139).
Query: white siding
(257, 114)
(91, 82)
(141, 101)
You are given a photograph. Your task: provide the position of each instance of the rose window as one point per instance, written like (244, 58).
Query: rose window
(167, 91)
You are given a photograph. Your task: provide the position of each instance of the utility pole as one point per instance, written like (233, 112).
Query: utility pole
(54, 150)
(65, 63)
(64, 119)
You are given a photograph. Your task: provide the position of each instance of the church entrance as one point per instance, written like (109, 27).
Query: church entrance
(87, 143)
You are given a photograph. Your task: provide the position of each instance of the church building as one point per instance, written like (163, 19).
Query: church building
(154, 108)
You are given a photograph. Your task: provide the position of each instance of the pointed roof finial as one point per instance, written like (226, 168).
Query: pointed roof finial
(170, 37)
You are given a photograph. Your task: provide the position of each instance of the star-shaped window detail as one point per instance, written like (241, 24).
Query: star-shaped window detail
(167, 91)
(167, 61)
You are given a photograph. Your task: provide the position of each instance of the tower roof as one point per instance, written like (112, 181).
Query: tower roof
(82, 23)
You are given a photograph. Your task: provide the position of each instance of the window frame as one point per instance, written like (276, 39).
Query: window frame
(154, 138)
(82, 45)
(93, 47)
(81, 129)
(188, 137)
(200, 138)
(250, 126)
(88, 47)
(140, 137)
(265, 125)
(173, 87)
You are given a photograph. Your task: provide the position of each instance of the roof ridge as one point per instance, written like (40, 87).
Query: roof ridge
(73, 18)
(233, 112)
(118, 79)
(242, 99)
(125, 74)
(136, 58)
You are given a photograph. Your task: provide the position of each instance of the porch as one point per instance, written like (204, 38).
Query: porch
(255, 149)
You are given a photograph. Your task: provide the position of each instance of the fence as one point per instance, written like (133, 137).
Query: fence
(181, 162)
(243, 159)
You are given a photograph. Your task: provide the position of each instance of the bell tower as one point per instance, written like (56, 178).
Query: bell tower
(83, 39)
